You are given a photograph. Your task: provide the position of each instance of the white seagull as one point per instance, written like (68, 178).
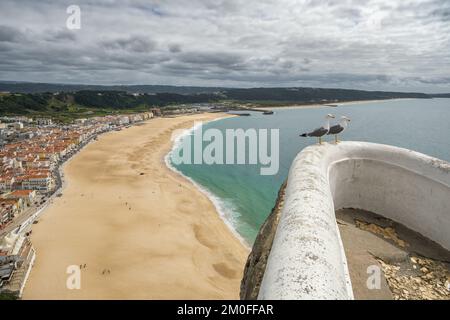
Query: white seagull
(338, 128)
(319, 132)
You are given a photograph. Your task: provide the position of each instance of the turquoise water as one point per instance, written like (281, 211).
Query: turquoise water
(245, 197)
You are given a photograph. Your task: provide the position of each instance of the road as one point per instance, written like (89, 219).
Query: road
(19, 220)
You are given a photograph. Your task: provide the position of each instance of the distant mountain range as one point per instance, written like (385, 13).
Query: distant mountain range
(71, 100)
(277, 94)
(31, 87)
(441, 95)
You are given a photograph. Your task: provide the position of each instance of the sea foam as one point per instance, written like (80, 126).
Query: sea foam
(225, 208)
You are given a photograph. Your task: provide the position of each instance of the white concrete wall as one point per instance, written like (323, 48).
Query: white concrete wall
(307, 259)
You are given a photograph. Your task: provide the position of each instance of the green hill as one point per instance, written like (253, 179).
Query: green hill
(64, 103)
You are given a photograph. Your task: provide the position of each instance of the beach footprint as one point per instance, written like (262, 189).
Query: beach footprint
(203, 237)
(186, 205)
(224, 270)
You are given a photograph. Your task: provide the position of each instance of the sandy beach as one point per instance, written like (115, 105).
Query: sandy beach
(328, 105)
(142, 230)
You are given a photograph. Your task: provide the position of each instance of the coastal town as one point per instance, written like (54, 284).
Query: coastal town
(32, 152)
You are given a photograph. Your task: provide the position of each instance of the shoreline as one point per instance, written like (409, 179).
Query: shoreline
(218, 203)
(328, 105)
(191, 218)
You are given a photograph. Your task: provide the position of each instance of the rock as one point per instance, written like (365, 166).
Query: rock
(256, 262)
(424, 270)
(387, 233)
(429, 276)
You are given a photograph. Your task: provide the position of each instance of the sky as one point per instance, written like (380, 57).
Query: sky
(396, 45)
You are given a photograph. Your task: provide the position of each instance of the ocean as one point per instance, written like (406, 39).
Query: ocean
(244, 198)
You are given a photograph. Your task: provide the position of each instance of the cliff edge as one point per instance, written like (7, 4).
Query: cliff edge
(257, 260)
(299, 253)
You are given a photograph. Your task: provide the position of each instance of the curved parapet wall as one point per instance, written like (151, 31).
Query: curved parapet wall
(307, 259)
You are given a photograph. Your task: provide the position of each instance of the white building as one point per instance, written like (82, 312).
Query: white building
(44, 121)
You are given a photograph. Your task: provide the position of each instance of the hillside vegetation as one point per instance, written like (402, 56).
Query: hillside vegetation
(66, 104)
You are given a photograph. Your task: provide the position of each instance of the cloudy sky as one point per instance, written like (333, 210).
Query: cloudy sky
(364, 44)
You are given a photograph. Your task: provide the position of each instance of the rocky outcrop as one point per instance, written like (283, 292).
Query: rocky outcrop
(256, 262)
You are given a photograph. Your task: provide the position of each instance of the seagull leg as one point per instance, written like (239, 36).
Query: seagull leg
(336, 138)
(320, 140)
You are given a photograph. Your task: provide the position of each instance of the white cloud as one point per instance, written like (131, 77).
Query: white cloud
(368, 44)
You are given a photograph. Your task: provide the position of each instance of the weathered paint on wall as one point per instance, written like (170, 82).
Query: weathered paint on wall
(307, 260)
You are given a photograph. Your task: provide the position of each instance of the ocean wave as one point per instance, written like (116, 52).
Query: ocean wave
(224, 207)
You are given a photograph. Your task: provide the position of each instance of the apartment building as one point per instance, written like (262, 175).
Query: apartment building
(39, 182)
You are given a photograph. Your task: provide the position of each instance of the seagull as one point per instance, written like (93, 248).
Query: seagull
(319, 132)
(338, 128)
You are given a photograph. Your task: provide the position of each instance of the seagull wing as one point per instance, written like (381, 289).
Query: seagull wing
(318, 132)
(336, 129)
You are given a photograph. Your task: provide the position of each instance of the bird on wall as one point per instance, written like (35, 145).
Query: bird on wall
(338, 128)
(320, 132)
